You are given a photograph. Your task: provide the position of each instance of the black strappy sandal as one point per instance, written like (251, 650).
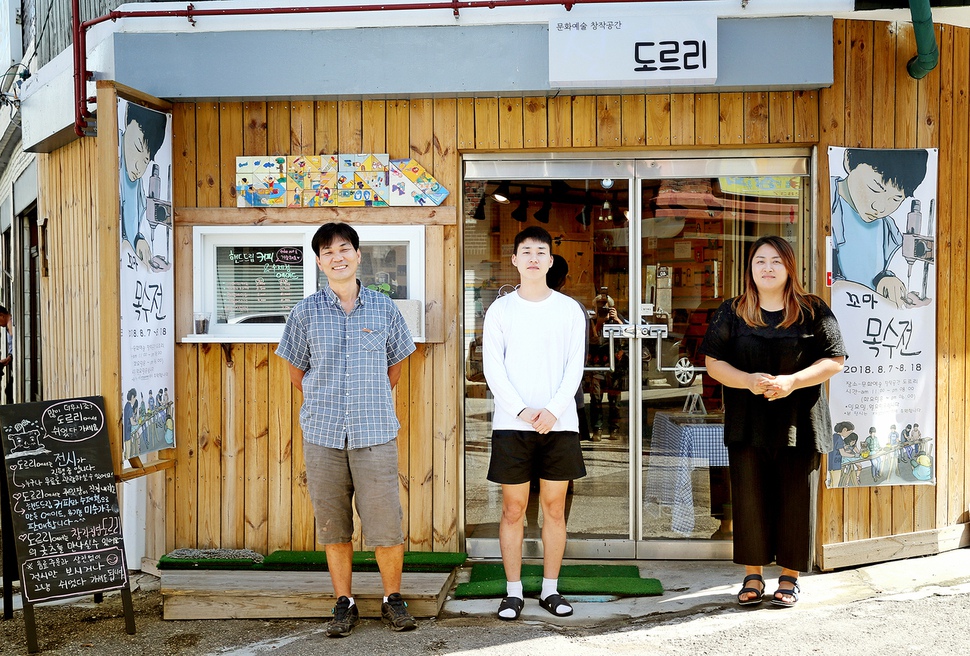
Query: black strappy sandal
(511, 603)
(754, 601)
(792, 592)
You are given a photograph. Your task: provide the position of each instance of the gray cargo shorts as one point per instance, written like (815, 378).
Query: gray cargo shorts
(367, 477)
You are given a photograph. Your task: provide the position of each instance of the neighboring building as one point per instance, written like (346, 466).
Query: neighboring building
(633, 182)
(31, 34)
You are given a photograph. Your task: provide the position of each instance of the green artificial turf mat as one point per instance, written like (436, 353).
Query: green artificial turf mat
(619, 586)
(491, 571)
(488, 580)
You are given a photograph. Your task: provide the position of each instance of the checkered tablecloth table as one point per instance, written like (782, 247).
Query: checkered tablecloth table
(680, 443)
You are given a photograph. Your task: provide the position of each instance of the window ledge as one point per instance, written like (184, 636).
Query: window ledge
(240, 339)
(228, 339)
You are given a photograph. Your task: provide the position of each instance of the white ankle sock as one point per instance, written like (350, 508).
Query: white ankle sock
(512, 589)
(548, 587)
(351, 601)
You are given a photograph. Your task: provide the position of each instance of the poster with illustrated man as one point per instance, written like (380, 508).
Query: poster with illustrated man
(147, 279)
(883, 276)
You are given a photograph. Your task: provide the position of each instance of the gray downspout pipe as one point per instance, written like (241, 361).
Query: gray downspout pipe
(927, 54)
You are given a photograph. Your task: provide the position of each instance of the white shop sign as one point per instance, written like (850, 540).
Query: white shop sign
(653, 51)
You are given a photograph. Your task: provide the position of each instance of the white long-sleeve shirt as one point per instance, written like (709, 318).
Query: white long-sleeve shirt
(533, 355)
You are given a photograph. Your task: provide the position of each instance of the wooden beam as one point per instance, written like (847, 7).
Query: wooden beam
(139, 97)
(107, 242)
(240, 216)
(893, 547)
(136, 472)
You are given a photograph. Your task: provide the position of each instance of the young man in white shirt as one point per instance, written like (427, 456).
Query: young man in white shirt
(533, 352)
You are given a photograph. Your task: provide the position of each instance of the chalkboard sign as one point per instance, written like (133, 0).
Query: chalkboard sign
(257, 284)
(63, 500)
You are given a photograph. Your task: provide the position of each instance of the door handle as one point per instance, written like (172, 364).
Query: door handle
(612, 331)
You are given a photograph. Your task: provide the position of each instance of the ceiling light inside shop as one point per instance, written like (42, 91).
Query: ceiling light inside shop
(521, 213)
(619, 216)
(542, 214)
(480, 210)
(502, 194)
(585, 215)
(607, 213)
(560, 189)
(663, 227)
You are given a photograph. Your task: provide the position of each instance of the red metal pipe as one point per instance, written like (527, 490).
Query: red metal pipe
(81, 75)
(80, 63)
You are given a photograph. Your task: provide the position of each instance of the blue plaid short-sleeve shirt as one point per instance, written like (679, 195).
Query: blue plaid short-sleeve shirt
(347, 399)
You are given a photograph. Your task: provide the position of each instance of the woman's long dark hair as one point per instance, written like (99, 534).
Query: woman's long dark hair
(798, 302)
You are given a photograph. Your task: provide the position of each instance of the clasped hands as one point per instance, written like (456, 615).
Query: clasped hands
(542, 420)
(771, 387)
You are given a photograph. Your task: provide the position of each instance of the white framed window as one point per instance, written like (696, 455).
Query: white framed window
(246, 279)
(392, 262)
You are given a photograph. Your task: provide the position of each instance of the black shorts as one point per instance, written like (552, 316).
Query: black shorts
(518, 455)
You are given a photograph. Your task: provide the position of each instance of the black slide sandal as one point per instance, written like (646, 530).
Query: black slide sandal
(511, 603)
(552, 604)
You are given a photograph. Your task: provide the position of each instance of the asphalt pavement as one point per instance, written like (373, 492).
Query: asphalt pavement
(924, 599)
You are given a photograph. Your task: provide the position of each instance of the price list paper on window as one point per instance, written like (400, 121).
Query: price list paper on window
(63, 499)
(257, 284)
(614, 51)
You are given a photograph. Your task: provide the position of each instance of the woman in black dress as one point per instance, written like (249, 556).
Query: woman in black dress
(772, 347)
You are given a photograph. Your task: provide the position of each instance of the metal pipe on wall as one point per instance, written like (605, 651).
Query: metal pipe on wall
(927, 54)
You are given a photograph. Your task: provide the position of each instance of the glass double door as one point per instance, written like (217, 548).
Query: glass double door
(653, 247)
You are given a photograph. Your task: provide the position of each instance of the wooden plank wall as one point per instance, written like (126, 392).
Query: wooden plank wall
(873, 103)
(240, 480)
(70, 292)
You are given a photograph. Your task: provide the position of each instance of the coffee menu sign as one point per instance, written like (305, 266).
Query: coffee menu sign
(63, 499)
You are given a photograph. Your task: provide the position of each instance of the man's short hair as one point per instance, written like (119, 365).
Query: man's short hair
(331, 232)
(904, 169)
(4, 310)
(534, 233)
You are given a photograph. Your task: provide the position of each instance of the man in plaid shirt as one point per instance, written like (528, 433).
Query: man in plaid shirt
(346, 345)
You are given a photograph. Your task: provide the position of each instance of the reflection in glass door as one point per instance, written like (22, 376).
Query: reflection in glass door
(588, 220)
(695, 235)
(653, 247)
